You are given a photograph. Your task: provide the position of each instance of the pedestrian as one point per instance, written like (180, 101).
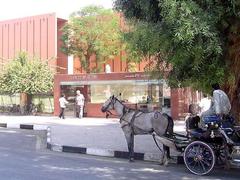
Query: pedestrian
(62, 102)
(220, 104)
(79, 104)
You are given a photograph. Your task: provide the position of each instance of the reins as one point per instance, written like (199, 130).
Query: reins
(110, 113)
(154, 138)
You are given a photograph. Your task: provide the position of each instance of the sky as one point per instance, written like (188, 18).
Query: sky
(12, 9)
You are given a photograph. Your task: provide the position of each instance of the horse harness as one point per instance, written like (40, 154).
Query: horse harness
(136, 114)
(130, 123)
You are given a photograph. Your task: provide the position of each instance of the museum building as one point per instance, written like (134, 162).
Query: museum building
(41, 36)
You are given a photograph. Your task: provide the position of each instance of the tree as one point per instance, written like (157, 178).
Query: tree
(142, 45)
(27, 77)
(93, 31)
(198, 38)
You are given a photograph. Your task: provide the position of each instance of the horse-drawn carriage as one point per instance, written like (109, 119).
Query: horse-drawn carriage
(216, 144)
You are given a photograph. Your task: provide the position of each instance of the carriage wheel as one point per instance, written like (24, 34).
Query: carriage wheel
(199, 158)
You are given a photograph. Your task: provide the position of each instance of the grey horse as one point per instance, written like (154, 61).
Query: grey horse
(135, 122)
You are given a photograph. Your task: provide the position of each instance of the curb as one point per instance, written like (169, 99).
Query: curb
(24, 126)
(111, 153)
(91, 151)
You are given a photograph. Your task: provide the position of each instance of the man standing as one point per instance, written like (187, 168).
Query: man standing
(79, 104)
(62, 102)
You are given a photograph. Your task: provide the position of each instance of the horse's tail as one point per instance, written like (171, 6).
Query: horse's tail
(169, 130)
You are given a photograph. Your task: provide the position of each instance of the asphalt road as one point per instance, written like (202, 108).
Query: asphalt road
(23, 157)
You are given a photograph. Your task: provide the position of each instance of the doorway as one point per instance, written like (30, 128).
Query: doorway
(70, 93)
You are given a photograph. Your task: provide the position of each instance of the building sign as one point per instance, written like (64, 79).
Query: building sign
(84, 77)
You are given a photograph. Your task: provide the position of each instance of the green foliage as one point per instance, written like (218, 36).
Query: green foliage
(92, 31)
(142, 41)
(24, 75)
(191, 35)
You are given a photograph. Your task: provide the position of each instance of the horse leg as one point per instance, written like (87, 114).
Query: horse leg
(166, 149)
(131, 148)
(166, 155)
(130, 142)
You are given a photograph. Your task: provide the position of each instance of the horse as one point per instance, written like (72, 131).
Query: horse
(136, 122)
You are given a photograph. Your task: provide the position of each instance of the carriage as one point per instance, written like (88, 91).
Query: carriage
(216, 143)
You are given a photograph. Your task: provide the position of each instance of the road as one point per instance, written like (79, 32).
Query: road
(23, 157)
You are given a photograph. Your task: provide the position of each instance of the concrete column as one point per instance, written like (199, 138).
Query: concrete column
(70, 64)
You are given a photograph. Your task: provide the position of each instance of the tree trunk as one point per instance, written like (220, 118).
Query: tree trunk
(88, 64)
(25, 100)
(233, 61)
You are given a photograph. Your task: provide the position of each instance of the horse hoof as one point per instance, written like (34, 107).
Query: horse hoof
(161, 162)
(131, 160)
(165, 163)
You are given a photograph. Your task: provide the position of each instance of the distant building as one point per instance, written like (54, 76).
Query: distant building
(37, 35)
(41, 36)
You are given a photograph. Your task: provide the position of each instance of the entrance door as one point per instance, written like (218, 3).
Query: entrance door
(70, 92)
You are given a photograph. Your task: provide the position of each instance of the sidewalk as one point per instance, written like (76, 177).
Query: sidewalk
(95, 136)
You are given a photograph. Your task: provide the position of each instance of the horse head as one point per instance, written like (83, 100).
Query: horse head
(109, 104)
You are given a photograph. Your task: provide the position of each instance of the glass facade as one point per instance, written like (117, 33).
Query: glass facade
(128, 92)
(144, 94)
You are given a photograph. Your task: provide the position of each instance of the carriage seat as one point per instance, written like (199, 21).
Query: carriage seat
(227, 124)
(227, 121)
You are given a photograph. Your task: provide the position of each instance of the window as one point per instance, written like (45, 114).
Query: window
(129, 92)
(139, 92)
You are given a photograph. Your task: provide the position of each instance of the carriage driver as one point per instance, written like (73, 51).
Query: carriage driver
(220, 104)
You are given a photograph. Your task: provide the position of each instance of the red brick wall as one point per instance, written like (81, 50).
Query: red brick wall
(117, 65)
(62, 62)
(181, 98)
(34, 34)
(94, 110)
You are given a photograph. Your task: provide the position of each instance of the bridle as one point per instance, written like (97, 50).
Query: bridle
(112, 102)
